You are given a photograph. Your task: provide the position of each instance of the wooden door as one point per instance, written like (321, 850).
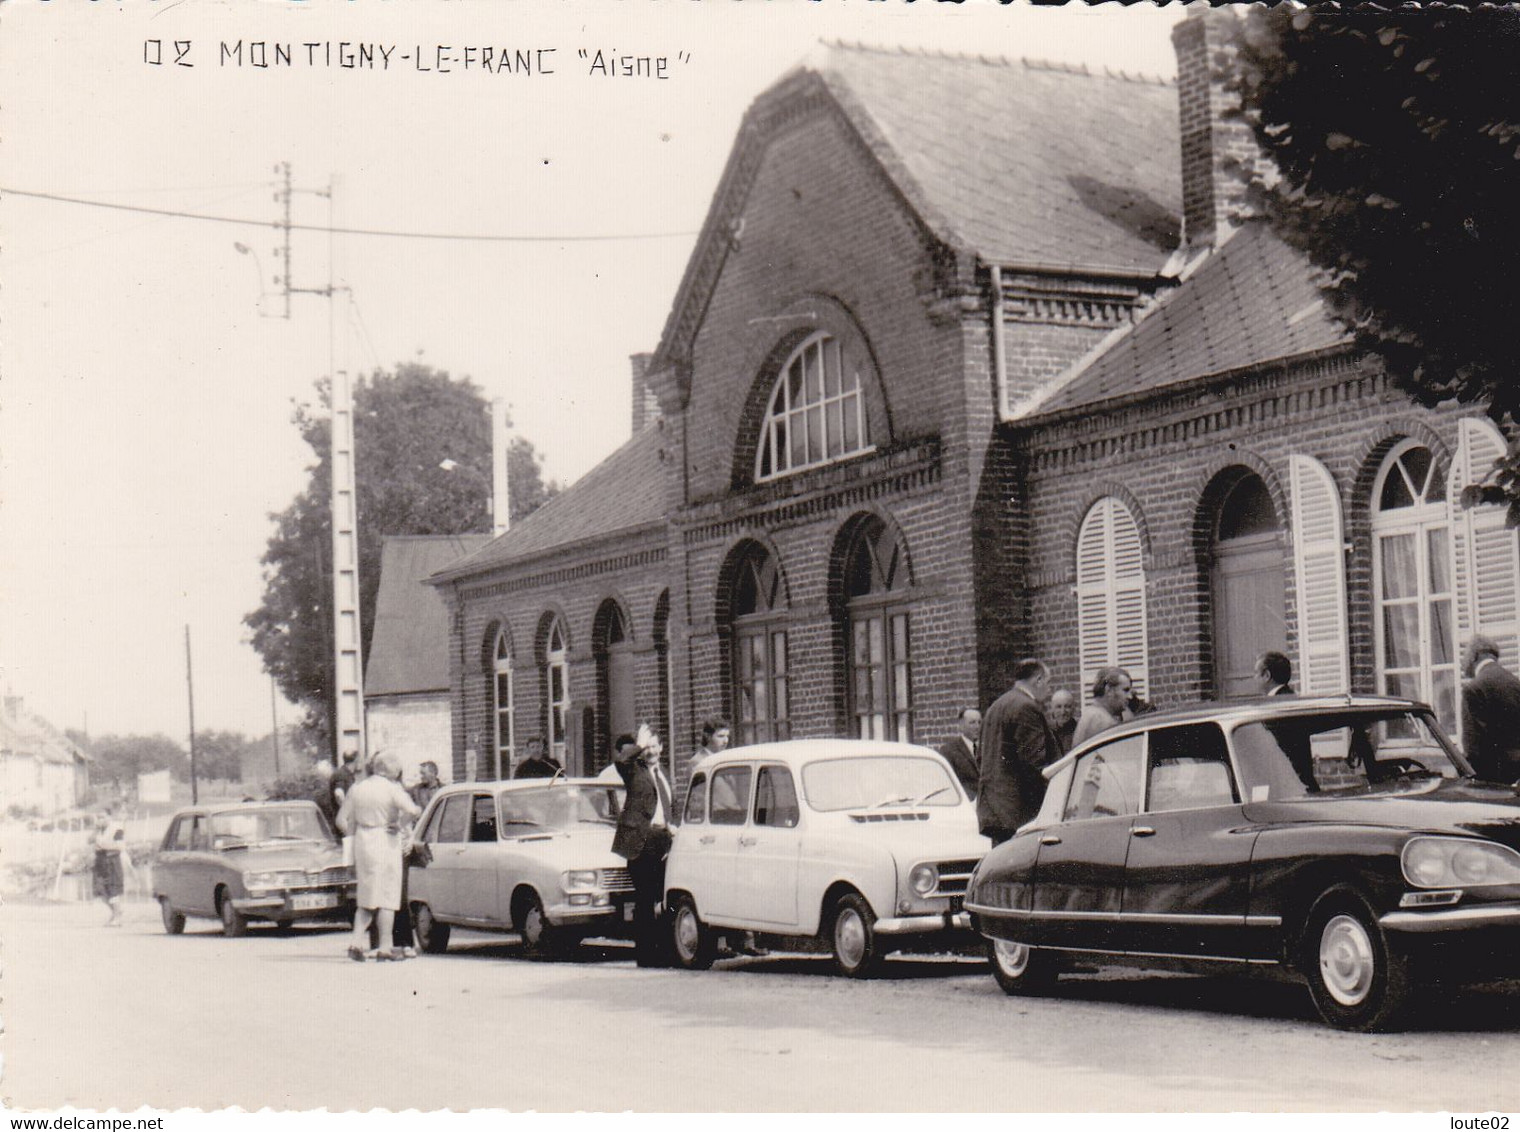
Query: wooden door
(1250, 614)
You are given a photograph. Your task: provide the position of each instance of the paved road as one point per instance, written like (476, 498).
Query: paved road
(97, 1018)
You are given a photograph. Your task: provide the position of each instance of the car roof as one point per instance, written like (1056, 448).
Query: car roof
(1235, 713)
(520, 784)
(243, 807)
(795, 752)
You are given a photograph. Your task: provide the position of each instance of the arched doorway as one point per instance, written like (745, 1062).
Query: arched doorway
(878, 653)
(613, 646)
(1248, 585)
(757, 610)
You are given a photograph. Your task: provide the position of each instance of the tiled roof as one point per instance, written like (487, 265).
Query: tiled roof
(27, 735)
(1027, 163)
(623, 492)
(1252, 301)
(409, 651)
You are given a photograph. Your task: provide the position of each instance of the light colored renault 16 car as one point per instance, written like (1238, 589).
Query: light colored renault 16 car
(861, 846)
(533, 857)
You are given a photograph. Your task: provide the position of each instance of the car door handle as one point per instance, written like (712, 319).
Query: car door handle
(1050, 839)
(1142, 831)
(748, 841)
(708, 840)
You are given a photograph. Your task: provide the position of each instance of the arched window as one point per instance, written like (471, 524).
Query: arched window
(557, 685)
(501, 707)
(758, 608)
(880, 661)
(1412, 581)
(1111, 593)
(816, 413)
(613, 646)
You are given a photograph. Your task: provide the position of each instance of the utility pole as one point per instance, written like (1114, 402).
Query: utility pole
(274, 727)
(348, 666)
(501, 444)
(195, 791)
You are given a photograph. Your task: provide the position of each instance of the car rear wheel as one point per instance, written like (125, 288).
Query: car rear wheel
(695, 946)
(432, 936)
(174, 922)
(1019, 968)
(538, 936)
(234, 923)
(856, 951)
(1359, 982)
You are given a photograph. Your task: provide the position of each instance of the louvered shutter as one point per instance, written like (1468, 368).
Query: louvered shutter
(1319, 567)
(1487, 552)
(1111, 594)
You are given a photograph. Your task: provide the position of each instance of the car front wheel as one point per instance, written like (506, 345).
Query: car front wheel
(174, 922)
(856, 952)
(538, 936)
(1359, 982)
(432, 936)
(1019, 968)
(695, 946)
(234, 923)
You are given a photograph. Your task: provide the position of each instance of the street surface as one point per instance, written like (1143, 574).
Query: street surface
(99, 1018)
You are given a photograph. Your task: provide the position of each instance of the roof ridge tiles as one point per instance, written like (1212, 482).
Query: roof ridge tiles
(993, 60)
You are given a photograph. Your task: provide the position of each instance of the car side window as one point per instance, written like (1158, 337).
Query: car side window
(730, 796)
(696, 801)
(199, 838)
(1107, 781)
(483, 818)
(454, 823)
(179, 835)
(775, 798)
(1190, 768)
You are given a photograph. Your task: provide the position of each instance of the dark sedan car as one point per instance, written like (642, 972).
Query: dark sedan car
(1344, 839)
(276, 861)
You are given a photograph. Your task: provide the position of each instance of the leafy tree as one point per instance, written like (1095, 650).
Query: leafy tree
(423, 467)
(1397, 137)
(121, 758)
(219, 754)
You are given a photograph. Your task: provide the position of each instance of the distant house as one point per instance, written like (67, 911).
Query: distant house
(406, 683)
(40, 769)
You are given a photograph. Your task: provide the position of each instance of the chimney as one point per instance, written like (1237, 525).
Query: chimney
(1218, 152)
(646, 407)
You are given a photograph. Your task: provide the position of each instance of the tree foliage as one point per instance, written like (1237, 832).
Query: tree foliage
(121, 758)
(422, 467)
(220, 754)
(1396, 134)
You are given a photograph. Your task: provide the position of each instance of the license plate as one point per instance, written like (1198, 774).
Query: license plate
(306, 901)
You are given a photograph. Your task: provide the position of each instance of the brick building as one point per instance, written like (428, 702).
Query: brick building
(931, 400)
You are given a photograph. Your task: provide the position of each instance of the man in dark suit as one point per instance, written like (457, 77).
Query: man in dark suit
(1016, 745)
(1273, 673)
(960, 752)
(643, 837)
(1490, 713)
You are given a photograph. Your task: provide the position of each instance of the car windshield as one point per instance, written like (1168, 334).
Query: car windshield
(233, 828)
(559, 807)
(877, 781)
(1342, 753)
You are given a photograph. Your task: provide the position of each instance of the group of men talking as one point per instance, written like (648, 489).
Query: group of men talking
(1000, 758)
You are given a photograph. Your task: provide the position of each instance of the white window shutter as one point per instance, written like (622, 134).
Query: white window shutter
(1111, 610)
(1319, 568)
(1487, 552)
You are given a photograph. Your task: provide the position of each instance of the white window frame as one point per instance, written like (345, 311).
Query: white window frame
(844, 401)
(1416, 521)
(502, 713)
(557, 709)
(1110, 592)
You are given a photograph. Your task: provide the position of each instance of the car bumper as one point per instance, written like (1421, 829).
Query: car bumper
(932, 922)
(1473, 918)
(570, 915)
(296, 905)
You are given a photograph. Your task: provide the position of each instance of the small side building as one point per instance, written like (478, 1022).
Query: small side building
(41, 770)
(406, 682)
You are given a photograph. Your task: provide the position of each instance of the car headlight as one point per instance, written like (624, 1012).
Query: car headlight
(580, 878)
(924, 879)
(1456, 862)
(261, 880)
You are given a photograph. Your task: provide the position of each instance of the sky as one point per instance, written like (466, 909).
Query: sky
(147, 374)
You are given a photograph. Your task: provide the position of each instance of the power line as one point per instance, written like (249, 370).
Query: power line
(392, 234)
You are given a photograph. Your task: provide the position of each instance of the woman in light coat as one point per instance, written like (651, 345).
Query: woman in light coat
(378, 814)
